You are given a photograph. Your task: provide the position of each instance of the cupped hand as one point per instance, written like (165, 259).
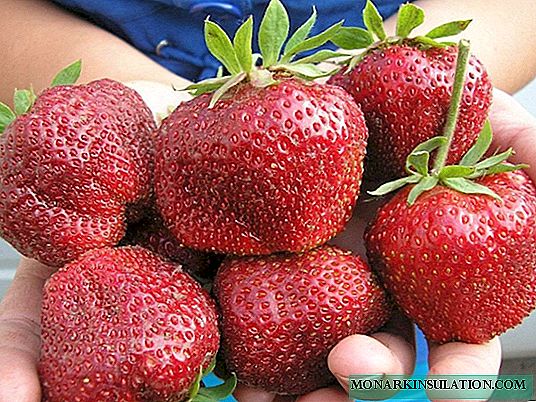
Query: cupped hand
(392, 349)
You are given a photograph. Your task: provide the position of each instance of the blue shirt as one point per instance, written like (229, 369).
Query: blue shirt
(171, 31)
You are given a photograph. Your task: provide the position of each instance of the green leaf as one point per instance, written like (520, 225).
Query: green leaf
(302, 32)
(69, 75)
(468, 187)
(312, 42)
(242, 45)
(418, 162)
(307, 71)
(448, 29)
(480, 147)
(218, 392)
(353, 38)
(6, 116)
(431, 144)
(456, 171)
(210, 367)
(23, 99)
(220, 46)
(394, 185)
(409, 17)
(373, 21)
(428, 41)
(505, 167)
(260, 78)
(208, 85)
(236, 79)
(318, 57)
(427, 183)
(273, 32)
(495, 160)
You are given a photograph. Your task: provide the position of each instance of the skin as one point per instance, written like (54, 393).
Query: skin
(28, 24)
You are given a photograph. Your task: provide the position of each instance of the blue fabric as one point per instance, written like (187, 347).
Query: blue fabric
(146, 23)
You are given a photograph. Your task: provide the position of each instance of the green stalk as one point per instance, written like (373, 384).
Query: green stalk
(454, 107)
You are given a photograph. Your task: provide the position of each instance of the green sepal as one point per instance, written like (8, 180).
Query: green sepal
(219, 44)
(6, 116)
(261, 78)
(417, 162)
(425, 184)
(198, 393)
(494, 160)
(428, 42)
(353, 38)
(373, 20)
(312, 42)
(480, 147)
(69, 75)
(455, 171)
(242, 45)
(302, 32)
(307, 70)
(319, 56)
(394, 185)
(431, 144)
(273, 32)
(448, 29)
(466, 186)
(23, 100)
(505, 168)
(409, 17)
(234, 80)
(208, 85)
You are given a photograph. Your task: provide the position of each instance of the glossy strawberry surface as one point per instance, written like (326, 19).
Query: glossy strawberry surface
(123, 325)
(404, 93)
(463, 267)
(71, 167)
(282, 314)
(266, 170)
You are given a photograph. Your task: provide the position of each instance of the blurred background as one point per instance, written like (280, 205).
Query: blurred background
(519, 344)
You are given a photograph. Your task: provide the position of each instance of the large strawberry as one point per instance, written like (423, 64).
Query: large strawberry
(403, 86)
(269, 161)
(71, 165)
(456, 249)
(123, 325)
(282, 314)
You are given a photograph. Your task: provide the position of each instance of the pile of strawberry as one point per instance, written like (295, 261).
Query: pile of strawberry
(260, 169)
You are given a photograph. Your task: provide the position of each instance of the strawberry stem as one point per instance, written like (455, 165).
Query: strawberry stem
(454, 107)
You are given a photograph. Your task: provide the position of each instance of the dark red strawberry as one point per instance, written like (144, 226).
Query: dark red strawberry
(151, 234)
(71, 166)
(123, 325)
(456, 249)
(404, 87)
(282, 314)
(269, 162)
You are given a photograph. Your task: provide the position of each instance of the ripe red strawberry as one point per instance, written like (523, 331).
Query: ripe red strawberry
(282, 314)
(70, 168)
(456, 249)
(462, 266)
(151, 234)
(404, 88)
(123, 325)
(273, 164)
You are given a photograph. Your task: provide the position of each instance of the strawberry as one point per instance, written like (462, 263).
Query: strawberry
(404, 85)
(71, 166)
(269, 161)
(282, 314)
(456, 248)
(151, 234)
(123, 325)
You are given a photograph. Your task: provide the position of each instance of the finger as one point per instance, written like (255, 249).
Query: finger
(464, 358)
(243, 393)
(332, 394)
(381, 353)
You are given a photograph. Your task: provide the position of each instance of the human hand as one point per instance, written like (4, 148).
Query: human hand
(392, 350)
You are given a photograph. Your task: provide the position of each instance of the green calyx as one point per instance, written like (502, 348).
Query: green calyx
(23, 99)
(373, 37)
(197, 393)
(457, 177)
(278, 52)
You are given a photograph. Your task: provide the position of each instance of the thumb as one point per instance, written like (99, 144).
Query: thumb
(20, 334)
